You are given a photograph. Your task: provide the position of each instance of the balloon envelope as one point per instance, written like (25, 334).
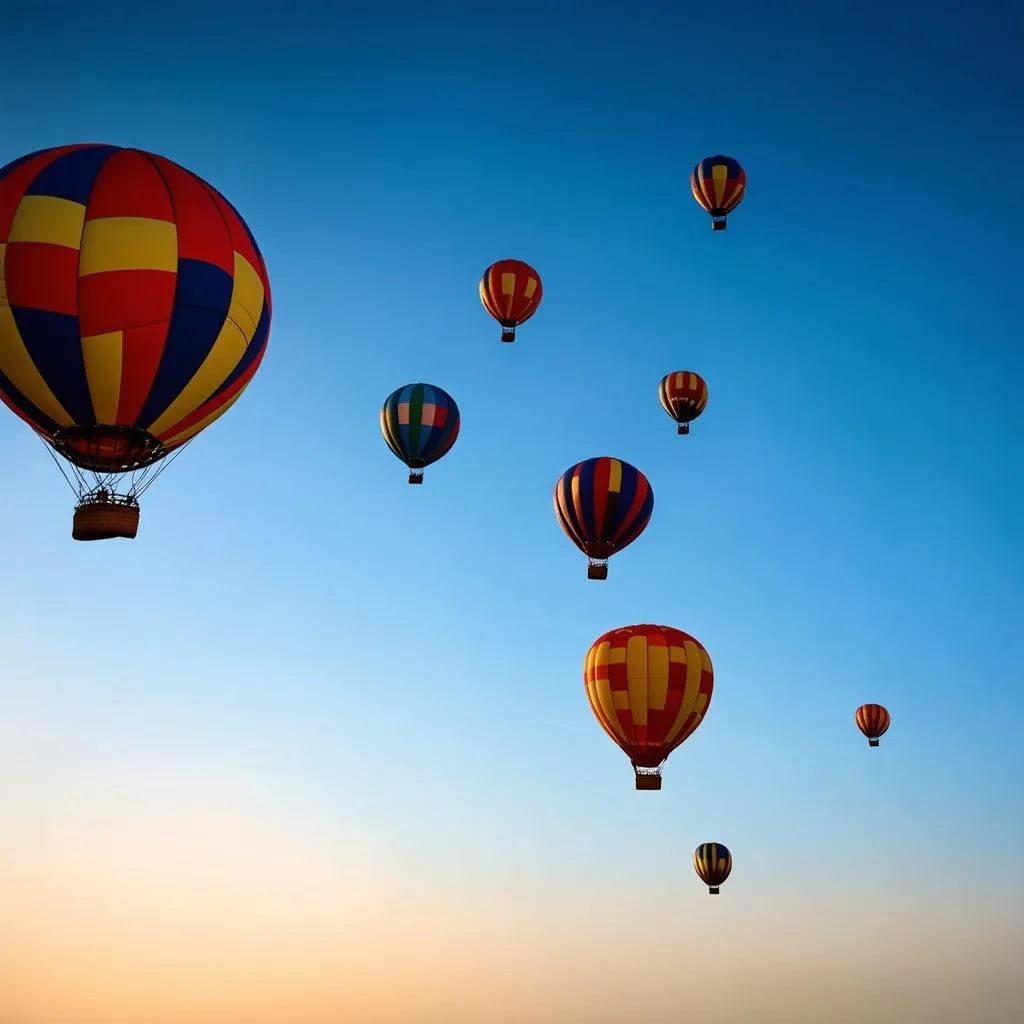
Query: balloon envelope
(872, 720)
(137, 303)
(510, 291)
(603, 505)
(420, 423)
(650, 688)
(683, 395)
(713, 864)
(718, 184)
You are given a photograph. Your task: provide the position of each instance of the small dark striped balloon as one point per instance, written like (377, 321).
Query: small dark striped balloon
(713, 864)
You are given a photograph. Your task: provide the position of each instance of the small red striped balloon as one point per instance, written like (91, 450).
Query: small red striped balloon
(684, 396)
(872, 720)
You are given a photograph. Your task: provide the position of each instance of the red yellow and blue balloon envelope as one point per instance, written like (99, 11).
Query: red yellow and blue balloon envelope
(718, 183)
(603, 505)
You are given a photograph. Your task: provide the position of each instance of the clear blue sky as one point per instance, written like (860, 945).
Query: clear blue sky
(404, 665)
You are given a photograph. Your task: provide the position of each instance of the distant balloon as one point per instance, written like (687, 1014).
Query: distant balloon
(713, 864)
(603, 505)
(683, 396)
(134, 311)
(872, 720)
(650, 688)
(718, 184)
(511, 292)
(420, 423)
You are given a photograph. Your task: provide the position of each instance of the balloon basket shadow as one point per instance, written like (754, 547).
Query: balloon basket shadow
(597, 571)
(872, 743)
(646, 781)
(105, 520)
(683, 428)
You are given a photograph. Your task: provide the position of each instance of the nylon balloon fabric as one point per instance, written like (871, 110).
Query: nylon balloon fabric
(134, 296)
(649, 687)
(420, 423)
(713, 864)
(603, 505)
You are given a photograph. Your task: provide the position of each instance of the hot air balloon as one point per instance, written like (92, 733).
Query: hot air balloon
(135, 311)
(420, 423)
(872, 720)
(603, 505)
(510, 291)
(683, 396)
(713, 864)
(718, 184)
(649, 687)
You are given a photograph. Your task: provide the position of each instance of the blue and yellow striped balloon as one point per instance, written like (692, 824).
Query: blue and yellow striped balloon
(713, 864)
(420, 423)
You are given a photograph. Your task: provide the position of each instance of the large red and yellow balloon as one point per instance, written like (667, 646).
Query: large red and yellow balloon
(511, 292)
(135, 310)
(650, 688)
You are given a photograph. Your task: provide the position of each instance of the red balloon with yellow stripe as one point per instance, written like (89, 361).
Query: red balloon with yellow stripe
(684, 396)
(511, 292)
(135, 310)
(650, 688)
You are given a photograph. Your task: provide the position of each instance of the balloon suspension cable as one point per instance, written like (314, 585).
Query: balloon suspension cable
(146, 480)
(57, 463)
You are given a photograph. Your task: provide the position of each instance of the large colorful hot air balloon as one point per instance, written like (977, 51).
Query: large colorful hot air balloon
(420, 423)
(134, 310)
(649, 687)
(718, 184)
(603, 505)
(713, 864)
(683, 396)
(872, 720)
(510, 291)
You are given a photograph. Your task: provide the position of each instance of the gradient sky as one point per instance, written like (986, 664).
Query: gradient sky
(315, 749)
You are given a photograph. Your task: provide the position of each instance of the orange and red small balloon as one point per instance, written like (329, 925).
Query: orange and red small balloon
(872, 720)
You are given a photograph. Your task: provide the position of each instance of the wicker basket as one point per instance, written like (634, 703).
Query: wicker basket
(646, 781)
(104, 521)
